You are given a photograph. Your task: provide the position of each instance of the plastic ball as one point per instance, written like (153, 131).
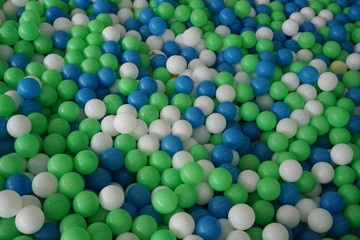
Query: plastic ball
(44, 184)
(323, 172)
(274, 231)
(28, 88)
(29, 219)
(288, 215)
(290, 170)
(11, 203)
(208, 227)
(111, 197)
(19, 183)
(320, 220)
(181, 224)
(341, 154)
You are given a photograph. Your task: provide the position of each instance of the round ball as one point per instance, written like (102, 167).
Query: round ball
(241, 216)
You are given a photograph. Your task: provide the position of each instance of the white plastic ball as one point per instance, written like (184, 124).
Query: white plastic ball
(107, 125)
(205, 103)
(160, 86)
(176, 64)
(189, 143)
(305, 206)
(29, 219)
(226, 228)
(111, 197)
(170, 113)
(7, 52)
(242, 77)
(62, 24)
(208, 57)
(264, 102)
(127, 236)
(16, 97)
(298, 17)
(10, 203)
(76, 11)
(315, 192)
(225, 93)
(38, 163)
(326, 14)
(320, 220)
(307, 91)
(288, 126)
(341, 154)
(275, 231)
(191, 37)
(327, 81)
(30, 200)
(319, 64)
(182, 129)
(241, 216)
(201, 73)
(180, 159)
(290, 27)
(207, 167)
(44, 184)
(215, 123)
(291, 80)
(140, 130)
(181, 224)
(301, 117)
(129, 69)
(195, 63)
(19, 3)
(18, 125)
(54, 61)
(193, 237)
(314, 108)
(124, 14)
(201, 134)
(319, 22)
(353, 61)
(9, 8)
(304, 55)
(80, 19)
(223, 31)
(114, 18)
(95, 108)
(204, 193)
(168, 35)
(323, 172)
(249, 179)
(125, 122)
(140, 4)
(120, 28)
(288, 215)
(160, 128)
(290, 170)
(148, 143)
(100, 142)
(238, 234)
(264, 32)
(110, 33)
(127, 108)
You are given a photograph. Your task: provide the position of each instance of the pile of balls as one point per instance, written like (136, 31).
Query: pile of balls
(188, 119)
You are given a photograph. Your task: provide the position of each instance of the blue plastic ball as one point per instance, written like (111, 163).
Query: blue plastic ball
(102, 92)
(98, 179)
(354, 12)
(233, 170)
(131, 56)
(83, 96)
(71, 71)
(131, 209)
(60, 39)
(267, 56)
(112, 159)
(319, 154)
(194, 116)
(6, 146)
(29, 106)
(19, 61)
(19, 183)
(290, 8)
(137, 99)
(246, 147)
(289, 194)
(106, 77)
(340, 226)
(233, 138)
(219, 207)
(262, 8)
(227, 16)
(292, 45)
(260, 85)
(310, 235)
(197, 212)
(281, 110)
(3, 129)
(232, 55)
(49, 231)
(100, 6)
(144, 32)
(309, 75)
(221, 154)
(132, 24)
(332, 202)
(111, 47)
(189, 53)
(28, 88)
(171, 144)
(82, 3)
(262, 151)
(251, 130)
(208, 228)
(147, 85)
(338, 33)
(265, 69)
(52, 13)
(184, 84)
(88, 80)
(146, 14)
(284, 57)
(158, 61)
(138, 195)
(124, 177)
(227, 109)
(216, 5)
(354, 95)
(206, 88)
(354, 124)
(157, 26)
(171, 48)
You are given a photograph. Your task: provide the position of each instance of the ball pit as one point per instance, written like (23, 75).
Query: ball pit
(189, 119)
